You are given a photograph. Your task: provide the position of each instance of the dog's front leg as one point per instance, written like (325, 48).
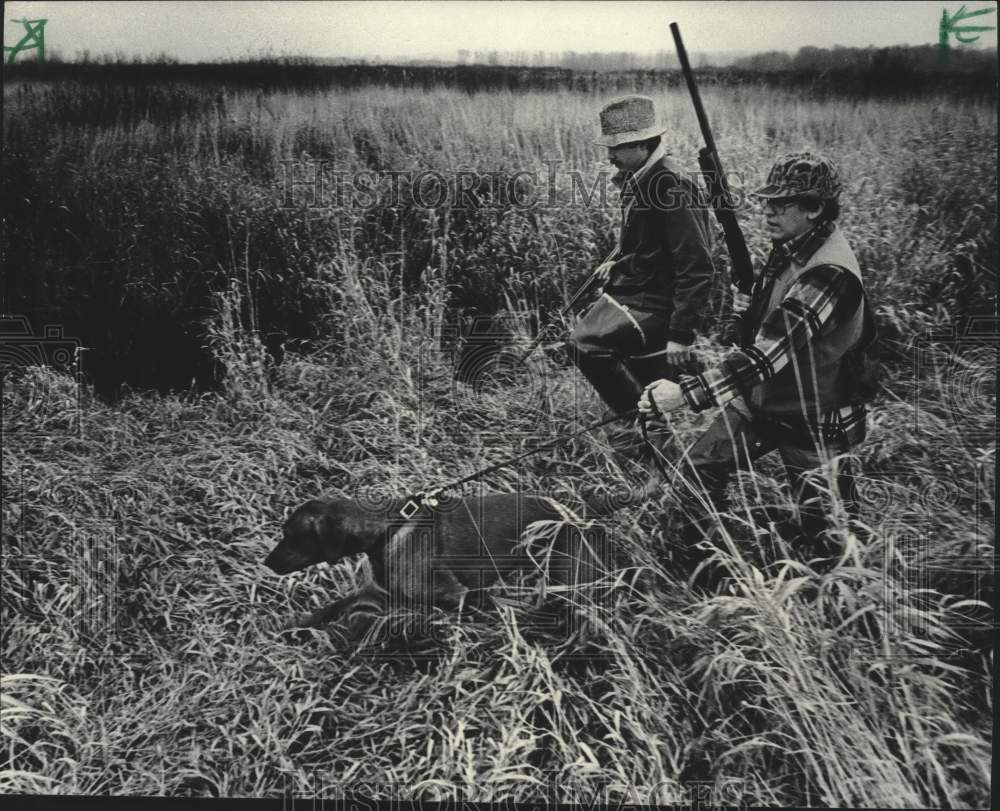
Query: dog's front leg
(320, 617)
(370, 600)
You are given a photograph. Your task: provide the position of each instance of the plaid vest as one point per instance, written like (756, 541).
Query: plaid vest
(812, 383)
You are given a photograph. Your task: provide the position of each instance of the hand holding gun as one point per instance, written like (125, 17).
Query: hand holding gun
(741, 301)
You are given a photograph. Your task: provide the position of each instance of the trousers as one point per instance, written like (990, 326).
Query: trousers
(608, 345)
(737, 438)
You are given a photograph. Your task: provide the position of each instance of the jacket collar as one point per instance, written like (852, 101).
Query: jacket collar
(802, 247)
(653, 159)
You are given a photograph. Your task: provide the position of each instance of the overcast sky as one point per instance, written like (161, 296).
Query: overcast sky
(192, 31)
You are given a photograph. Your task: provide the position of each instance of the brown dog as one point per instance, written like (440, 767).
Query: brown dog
(444, 556)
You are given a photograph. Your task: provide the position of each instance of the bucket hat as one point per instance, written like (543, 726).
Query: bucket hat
(627, 119)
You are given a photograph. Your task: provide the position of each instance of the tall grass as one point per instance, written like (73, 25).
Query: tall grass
(141, 649)
(791, 687)
(135, 208)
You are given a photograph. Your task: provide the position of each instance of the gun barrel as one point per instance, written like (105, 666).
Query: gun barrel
(588, 285)
(708, 158)
(581, 291)
(699, 108)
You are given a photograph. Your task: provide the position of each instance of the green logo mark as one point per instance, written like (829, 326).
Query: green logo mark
(33, 38)
(950, 26)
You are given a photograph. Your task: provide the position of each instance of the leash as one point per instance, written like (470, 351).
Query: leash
(417, 500)
(655, 451)
(645, 435)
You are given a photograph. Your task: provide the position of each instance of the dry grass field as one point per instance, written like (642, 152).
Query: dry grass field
(141, 651)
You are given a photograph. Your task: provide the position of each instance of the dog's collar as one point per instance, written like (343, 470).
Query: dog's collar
(417, 501)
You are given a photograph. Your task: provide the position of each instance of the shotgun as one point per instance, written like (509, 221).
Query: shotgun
(718, 187)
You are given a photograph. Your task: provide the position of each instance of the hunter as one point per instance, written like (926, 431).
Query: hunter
(792, 388)
(657, 281)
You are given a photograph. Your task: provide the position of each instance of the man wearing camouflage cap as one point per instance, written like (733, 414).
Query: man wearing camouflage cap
(791, 386)
(658, 279)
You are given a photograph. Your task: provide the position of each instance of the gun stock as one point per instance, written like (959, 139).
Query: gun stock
(711, 166)
(582, 291)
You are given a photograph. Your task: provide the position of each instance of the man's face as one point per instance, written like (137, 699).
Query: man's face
(787, 219)
(628, 157)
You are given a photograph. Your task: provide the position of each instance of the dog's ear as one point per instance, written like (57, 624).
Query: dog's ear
(304, 540)
(330, 537)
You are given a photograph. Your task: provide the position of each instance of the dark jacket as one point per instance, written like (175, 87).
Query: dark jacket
(665, 263)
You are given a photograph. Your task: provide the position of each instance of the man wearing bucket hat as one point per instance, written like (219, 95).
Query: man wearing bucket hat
(658, 279)
(792, 386)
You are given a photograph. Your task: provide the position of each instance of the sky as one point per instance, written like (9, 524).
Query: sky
(221, 29)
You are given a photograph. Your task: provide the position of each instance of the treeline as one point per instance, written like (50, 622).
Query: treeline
(929, 58)
(889, 73)
(917, 58)
(586, 60)
(906, 58)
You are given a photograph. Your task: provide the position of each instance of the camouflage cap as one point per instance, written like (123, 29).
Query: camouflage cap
(802, 174)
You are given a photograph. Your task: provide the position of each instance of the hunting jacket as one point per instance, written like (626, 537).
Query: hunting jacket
(806, 313)
(664, 261)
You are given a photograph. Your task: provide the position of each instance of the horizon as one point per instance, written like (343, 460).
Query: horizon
(642, 61)
(192, 32)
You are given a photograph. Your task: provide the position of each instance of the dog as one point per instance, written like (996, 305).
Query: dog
(445, 556)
